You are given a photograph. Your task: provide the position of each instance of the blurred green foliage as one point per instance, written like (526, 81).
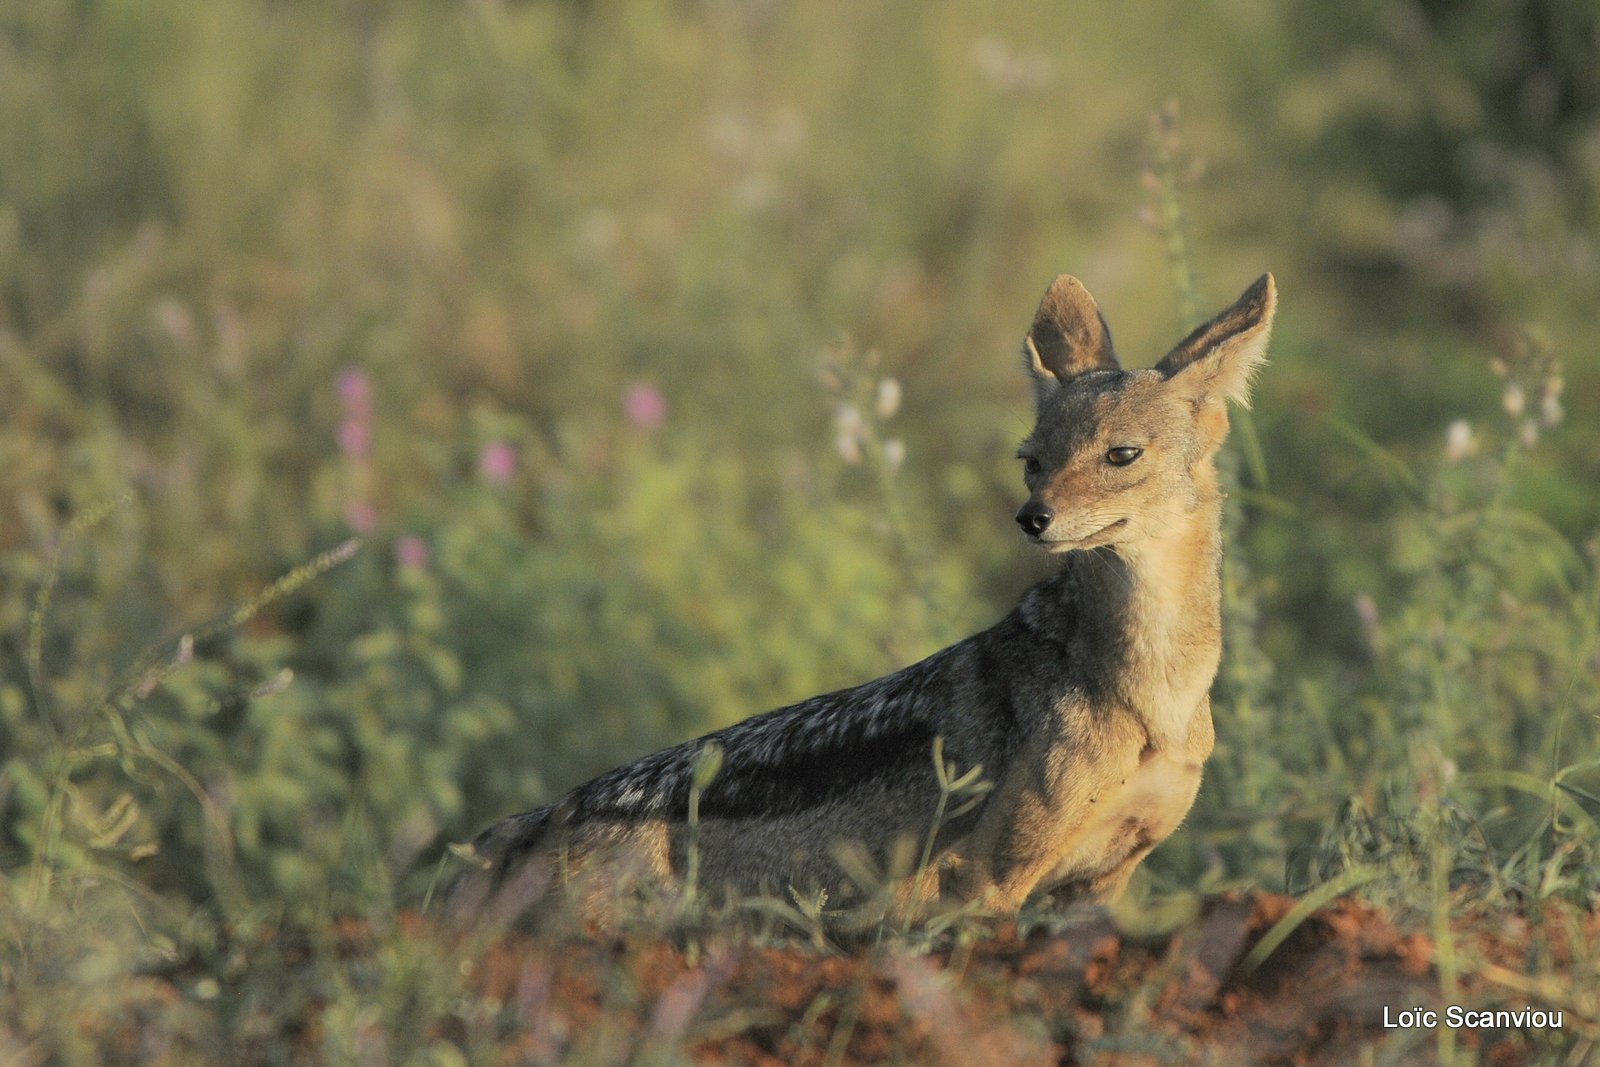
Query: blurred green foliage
(541, 300)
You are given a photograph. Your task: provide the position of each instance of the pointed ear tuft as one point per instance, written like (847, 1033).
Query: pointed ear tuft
(1069, 336)
(1222, 356)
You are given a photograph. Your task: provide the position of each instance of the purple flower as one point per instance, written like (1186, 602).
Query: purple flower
(644, 405)
(355, 438)
(355, 390)
(411, 552)
(355, 430)
(497, 462)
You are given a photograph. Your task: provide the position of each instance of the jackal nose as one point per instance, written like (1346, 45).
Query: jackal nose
(1034, 517)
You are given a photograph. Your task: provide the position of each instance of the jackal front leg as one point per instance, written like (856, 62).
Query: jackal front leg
(1038, 818)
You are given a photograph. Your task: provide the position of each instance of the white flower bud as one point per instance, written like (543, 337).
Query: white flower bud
(1367, 611)
(1550, 409)
(888, 398)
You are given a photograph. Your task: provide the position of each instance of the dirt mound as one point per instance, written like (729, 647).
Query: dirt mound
(1085, 993)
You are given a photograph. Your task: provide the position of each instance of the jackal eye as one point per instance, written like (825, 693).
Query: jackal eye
(1030, 466)
(1123, 455)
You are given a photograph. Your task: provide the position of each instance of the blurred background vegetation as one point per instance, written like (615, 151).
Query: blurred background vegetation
(579, 314)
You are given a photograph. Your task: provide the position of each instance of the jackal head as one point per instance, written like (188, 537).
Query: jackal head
(1123, 455)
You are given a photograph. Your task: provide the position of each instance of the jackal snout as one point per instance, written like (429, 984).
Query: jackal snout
(1035, 517)
(1121, 455)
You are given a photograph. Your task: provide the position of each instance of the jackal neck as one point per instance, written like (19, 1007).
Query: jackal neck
(1174, 615)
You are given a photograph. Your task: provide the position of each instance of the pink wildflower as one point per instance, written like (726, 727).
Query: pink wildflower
(497, 462)
(355, 438)
(645, 406)
(355, 430)
(355, 391)
(411, 552)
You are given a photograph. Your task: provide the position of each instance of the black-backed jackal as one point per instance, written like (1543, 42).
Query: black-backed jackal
(1087, 707)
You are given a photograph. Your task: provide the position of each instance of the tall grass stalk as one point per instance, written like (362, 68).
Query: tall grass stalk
(966, 791)
(84, 522)
(1165, 174)
(707, 764)
(65, 747)
(867, 402)
(158, 662)
(1246, 673)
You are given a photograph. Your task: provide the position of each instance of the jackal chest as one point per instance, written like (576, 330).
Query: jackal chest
(1170, 707)
(1168, 688)
(1138, 806)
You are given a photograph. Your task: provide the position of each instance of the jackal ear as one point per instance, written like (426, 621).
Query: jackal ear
(1223, 355)
(1068, 336)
